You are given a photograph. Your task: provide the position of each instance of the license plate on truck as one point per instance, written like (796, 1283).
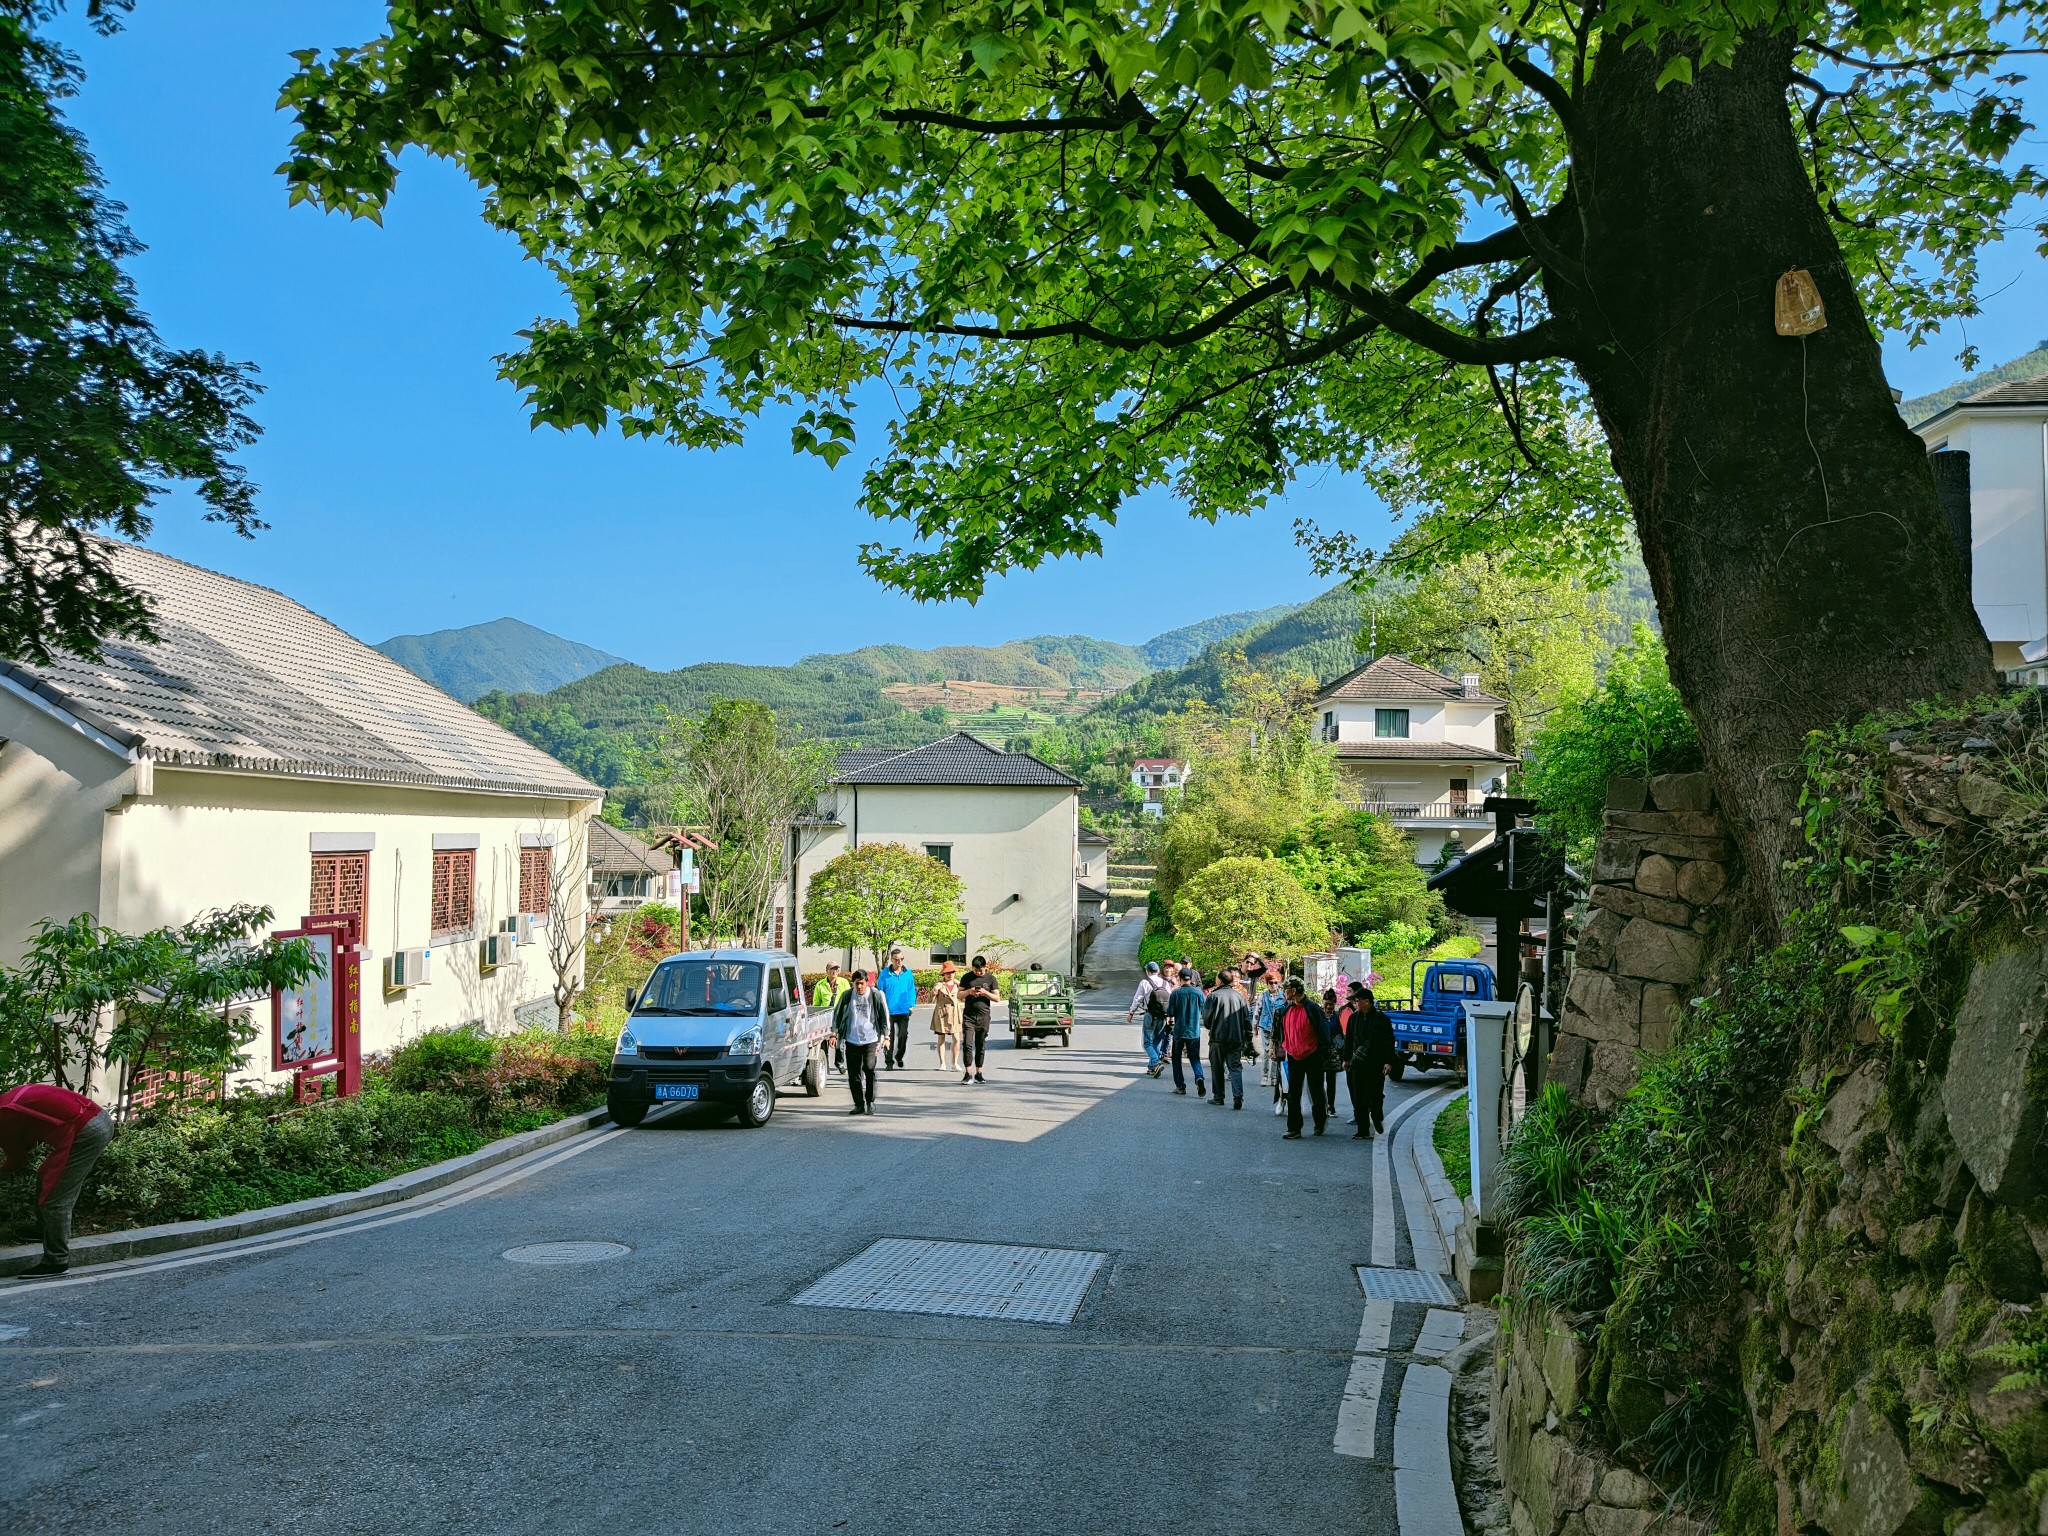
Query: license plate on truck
(675, 1090)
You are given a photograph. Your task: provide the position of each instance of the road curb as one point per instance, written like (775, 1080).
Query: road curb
(170, 1237)
(1446, 1205)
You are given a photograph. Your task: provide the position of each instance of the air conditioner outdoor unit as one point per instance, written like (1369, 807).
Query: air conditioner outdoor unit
(409, 968)
(497, 949)
(526, 927)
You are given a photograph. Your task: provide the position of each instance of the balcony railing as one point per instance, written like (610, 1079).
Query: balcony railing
(1451, 808)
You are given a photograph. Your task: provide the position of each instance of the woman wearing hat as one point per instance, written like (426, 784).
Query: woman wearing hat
(946, 1013)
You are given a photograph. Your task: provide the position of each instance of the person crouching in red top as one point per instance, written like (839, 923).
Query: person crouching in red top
(76, 1131)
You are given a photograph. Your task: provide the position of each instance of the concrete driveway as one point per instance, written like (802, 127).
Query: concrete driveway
(399, 1374)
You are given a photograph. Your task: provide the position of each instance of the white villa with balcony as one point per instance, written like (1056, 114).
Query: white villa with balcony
(1418, 747)
(1159, 779)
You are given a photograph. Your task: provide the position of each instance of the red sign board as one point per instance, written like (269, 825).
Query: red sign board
(317, 1027)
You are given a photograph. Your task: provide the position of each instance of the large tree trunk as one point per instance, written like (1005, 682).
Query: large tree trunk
(1788, 517)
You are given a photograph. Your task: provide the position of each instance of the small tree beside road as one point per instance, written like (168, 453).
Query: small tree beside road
(1239, 904)
(86, 993)
(881, 894)
(740, 777)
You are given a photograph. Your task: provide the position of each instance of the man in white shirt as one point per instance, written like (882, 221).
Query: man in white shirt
(1150, 1001)
(861, 1021)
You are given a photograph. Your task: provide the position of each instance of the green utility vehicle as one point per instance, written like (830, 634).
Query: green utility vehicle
(1041, 1003)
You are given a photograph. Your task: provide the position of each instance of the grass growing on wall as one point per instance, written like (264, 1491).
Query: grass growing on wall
(1454, 1145)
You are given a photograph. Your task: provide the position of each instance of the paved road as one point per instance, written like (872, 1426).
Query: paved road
(398, 1374)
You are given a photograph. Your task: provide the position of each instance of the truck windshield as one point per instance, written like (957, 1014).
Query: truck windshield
(725, 987)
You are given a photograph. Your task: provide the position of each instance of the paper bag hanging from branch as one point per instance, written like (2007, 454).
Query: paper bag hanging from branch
(1799, 309)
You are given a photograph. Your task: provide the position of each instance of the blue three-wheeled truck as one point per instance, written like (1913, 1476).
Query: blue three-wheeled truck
(1432, 1032)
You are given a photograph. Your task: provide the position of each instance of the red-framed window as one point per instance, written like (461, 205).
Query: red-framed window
(454, 905)
(536, 879)
(341, 883)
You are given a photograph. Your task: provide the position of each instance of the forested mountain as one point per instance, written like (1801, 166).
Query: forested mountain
(505, 655)
(1318, 638)
(1044, 661)
(1178, 647)
(598, 723)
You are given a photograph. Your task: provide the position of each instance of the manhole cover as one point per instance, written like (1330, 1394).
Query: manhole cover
(565, 1253)
(900, 1274)
(1404, 1285)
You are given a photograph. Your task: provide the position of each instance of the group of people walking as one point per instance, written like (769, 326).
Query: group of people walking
(1250, 1012)
(871, 1017)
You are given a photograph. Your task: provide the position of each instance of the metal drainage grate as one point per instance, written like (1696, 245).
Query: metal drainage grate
(557, 1254)
(901, 1274)
(1405, 1285)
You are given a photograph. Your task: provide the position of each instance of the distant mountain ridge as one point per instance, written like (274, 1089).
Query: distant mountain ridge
(2029, 365)
(599, 723)
(506, 655)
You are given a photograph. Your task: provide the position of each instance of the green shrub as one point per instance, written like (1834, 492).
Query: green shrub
(442, 1095)
(439, 1058)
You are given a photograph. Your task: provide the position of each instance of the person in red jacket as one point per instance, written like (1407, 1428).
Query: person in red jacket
(76, 1131)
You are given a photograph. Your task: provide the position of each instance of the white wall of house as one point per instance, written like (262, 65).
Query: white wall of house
(1007, 841)
(57, 786)
(2008, 452)
(143, 845)
(1356, 720)
(1092, 865)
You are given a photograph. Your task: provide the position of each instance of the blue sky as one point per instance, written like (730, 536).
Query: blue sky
(406, 492)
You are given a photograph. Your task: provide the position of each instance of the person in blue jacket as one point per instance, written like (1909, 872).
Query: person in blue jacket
(899, 995)
(1186, 1007)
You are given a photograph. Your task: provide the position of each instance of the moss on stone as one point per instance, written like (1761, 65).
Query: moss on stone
(1751, 1505)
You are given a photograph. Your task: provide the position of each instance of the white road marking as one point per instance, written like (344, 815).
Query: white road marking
(487, 1183)
(1358, 1411)
(1358, 1415)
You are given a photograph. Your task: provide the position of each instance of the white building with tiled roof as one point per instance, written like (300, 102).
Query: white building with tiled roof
(2004, 430)
(1417, 746)
(1006, 823)
(255, 753)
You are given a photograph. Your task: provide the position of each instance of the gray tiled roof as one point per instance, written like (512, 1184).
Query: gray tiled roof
(613, 852)
(956, 759)
(2011, 392)
(1396, 677)
(246, 679)
(1395, 747)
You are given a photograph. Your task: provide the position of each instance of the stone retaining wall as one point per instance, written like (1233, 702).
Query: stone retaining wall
(1556, 1483)
(1663, 864)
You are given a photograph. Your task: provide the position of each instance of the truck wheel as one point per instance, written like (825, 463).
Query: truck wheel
(757, 1106)
(1016, 1039)
(1066, 1037)
(626, 1113)
(814, 1076)
(1398, 1071)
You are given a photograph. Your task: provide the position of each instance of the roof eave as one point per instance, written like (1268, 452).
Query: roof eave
(327, 773)
(1981, 407)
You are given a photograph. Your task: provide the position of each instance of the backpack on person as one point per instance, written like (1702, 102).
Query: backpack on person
(1155, 1002)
